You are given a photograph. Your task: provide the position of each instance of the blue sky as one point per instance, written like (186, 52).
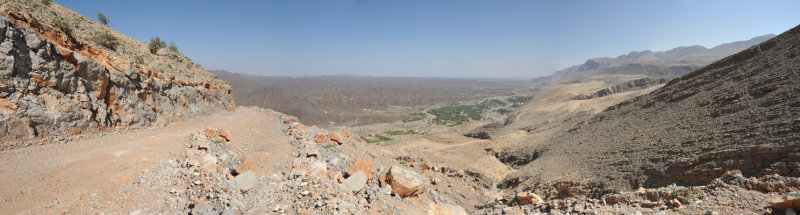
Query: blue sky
(432, 38)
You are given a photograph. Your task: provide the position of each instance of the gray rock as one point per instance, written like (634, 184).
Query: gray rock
(244, 181)
(354, 183)
(789, 211)
(202, 209)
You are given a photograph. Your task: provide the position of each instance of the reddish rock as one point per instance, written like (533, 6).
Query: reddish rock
(525, 198)
(288, 119)
(320, 137)
(365, 165)
(346, 133)
(211, 132)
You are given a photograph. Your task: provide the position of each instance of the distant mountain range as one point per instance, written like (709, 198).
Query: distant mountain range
(659, 64)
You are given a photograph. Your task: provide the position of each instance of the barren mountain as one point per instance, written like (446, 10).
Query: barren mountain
(659, 64)
(739, 113)
(58, 79)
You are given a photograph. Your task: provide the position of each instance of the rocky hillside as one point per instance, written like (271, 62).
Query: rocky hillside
(739, 113)
(659, 64)
(57, 79)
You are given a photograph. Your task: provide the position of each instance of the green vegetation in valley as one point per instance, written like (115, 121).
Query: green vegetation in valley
(416, 117)
(503, 111)
(400, 132)
(518, 101)
(105, 39)
(375, 138)
(453, 115)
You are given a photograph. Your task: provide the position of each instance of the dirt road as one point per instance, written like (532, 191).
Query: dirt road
(74, 176)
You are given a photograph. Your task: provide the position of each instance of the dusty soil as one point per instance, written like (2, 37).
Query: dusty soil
(88, 175)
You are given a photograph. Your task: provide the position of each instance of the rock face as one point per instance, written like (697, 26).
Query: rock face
(623, 87)
(406, 183)
(53, 84)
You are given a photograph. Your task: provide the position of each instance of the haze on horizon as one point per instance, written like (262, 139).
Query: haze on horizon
(466, 39)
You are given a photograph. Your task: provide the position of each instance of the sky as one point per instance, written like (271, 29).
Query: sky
(432, 38)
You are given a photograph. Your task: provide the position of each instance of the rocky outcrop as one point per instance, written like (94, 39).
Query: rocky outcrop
(623, 87)
(52, 84)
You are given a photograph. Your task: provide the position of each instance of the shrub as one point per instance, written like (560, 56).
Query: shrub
(47, 2)
(155, 44)
(106, 39)
(103, 19)
(64, 26)
(172, 46)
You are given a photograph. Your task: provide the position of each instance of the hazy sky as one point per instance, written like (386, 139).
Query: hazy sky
(458, 38)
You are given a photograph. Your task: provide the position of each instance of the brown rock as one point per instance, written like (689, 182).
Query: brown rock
(320, 138)
(364, 164)
(426, 166)
(288, 119)
(525, 198)
(224, 134)
(346, 133)
(675, 203)
(406, 183)
(211, 132)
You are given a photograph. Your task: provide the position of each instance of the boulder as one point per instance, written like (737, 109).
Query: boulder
(525, 198)
(365, 165)
(406, 183)
(244, 181)
(354, 183)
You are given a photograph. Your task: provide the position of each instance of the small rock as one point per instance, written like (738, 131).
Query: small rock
(244, 181)
(202, 208)
(277, 208)
(791, 211)
(675, 203)
(210, 132)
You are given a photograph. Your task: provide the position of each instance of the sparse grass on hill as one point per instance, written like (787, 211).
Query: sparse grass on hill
(63, 26)
(105, 39)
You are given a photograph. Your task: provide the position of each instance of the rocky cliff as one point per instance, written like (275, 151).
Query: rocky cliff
(54, 81)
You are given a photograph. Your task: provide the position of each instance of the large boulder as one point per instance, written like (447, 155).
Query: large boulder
(406, 183)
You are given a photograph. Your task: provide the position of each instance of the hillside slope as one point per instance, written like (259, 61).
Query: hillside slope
(56, 81)
(739, 113)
